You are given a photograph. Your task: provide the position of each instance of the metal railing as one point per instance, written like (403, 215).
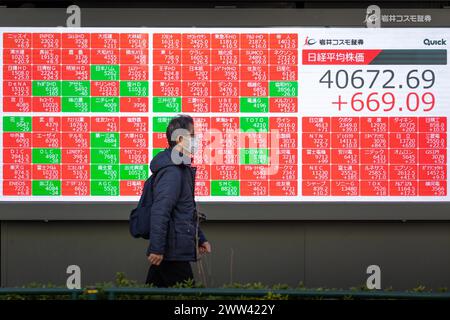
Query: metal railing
(72, 293)
(114, 293)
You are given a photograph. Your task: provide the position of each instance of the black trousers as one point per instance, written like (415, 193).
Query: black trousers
(168, 273)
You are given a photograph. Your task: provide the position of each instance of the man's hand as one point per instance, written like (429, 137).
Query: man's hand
(155, 258)
(205, 247)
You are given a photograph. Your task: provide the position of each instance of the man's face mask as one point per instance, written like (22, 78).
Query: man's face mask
(189, 144)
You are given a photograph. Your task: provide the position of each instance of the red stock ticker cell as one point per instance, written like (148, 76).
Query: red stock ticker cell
(134, 124)
(134, 155)
(283, 105)
(105, 124)
(76, 40)
(433, 156)
(134, 104)
(167, 88)
(254, 72)
(105, 56)
(81, 156)
(75, 140)
(225, 172)
(374, 172)
(134, 56)
(76, 72)
(105, 40)
(17, 156)
(131, 187)
(17, 71)
(17, 40)
(134, 140)
(76, 124)
(196, 104)
(374, 156)
(17, 139)
(254, 172)
(224, 57)
(167, 40)
(13, 88)
(47, 57)
(203, 172)
(76, 57)
(46, 139)
(134, 40)
(46, 171)
(17, 187)
(75, 188)
(20, 172)
(134, 72)
(46, 40)
(46, 104)
(46, 124)
(167, 60)
(13, 58)
(17, 103)
(166, 72)
(254, 188)
(202, 188)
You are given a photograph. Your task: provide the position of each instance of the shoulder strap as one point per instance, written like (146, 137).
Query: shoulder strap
(144, 192)
(148, 184)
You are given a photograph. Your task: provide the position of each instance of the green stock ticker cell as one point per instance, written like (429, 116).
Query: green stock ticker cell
(105, 72)
(160, 123)
(156, 151)
(254, 104)
(134, 88)
(46, 188)
(105, 104)
(76, 88)
(76, 104)
(46, 155)
(106, 156)
(105, 188)
(41, 88)
(258, 124)
(225, 188)
(17, 124)
(166, 104)
(283, 88)
(133, 171)
(105, 172)
(254, 156)
(104, 140)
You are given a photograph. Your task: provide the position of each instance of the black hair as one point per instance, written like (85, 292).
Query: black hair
(181, 121)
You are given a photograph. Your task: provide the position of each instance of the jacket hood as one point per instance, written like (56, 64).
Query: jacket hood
(164, 159)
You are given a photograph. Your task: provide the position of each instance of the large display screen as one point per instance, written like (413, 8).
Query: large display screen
(282, 114)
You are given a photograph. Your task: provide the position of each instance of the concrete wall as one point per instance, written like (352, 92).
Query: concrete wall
(329, 254)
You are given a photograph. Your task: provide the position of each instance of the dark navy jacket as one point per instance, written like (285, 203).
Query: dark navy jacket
(175, 230)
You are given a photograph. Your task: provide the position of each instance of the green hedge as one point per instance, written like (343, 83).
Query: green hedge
(99, 291)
